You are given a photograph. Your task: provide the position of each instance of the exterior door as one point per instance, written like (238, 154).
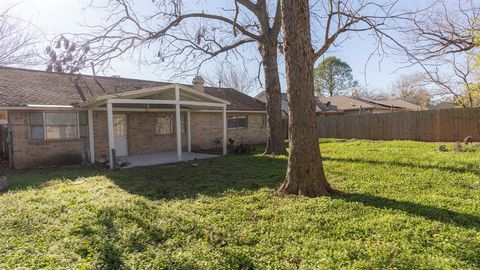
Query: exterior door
(120, 134)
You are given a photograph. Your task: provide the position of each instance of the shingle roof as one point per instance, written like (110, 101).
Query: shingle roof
(320, 106)
(325, 107)
(346, 103)
(19, 87)
(238, 100)
(398, 103)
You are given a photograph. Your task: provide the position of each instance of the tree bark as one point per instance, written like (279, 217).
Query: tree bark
(305, 174)
(275, 138)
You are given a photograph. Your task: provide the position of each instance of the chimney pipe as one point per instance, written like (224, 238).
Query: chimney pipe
(198, 83)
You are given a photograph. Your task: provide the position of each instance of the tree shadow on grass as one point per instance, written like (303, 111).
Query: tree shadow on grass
(428, 212)
(242, 173)
(211, 177)
(468, 168)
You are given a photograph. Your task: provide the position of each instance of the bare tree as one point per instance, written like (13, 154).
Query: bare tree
(332, 22)
(413, 88)
(180, 39)
(227, 75)
(364, 92)
(17, 38)
(442, 41)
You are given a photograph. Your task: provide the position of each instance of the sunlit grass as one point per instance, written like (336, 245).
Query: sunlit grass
(404, 205)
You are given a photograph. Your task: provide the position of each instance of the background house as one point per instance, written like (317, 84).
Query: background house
(322, 108)
(396, 104)
(351, 105)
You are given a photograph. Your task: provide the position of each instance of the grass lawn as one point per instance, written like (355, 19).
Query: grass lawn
(405, 206)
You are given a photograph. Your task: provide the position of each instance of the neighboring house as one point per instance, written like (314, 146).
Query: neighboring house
(397, 104)
(321, 108)
(351, 105)
(62, 118)
(263, 97)
(443, 105)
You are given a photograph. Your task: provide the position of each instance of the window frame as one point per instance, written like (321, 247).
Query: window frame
(263, 121)
(173, 126)
(164, 115)
(30, 129)
(44, 125)
(236, 117)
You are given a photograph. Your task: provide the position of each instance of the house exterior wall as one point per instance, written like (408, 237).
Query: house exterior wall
(141, 134)
(39, 153)
(207, 130)
(206, 127)
(254, 134)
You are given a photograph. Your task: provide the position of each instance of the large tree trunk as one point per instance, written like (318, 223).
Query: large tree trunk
(305, 175)
(275, 139)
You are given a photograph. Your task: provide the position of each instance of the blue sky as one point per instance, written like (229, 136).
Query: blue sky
(57, 16)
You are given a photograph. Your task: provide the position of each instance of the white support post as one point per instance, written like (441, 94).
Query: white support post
(224, 129)
(189, 132)
(178, 123)
(91, 138)
(111, 139)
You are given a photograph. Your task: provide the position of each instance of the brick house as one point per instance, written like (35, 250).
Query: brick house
(55, 119)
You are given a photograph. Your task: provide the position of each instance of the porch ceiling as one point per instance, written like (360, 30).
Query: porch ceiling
(167, 94)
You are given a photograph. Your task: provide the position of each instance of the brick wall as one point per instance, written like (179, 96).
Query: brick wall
(207, 132)
(141, 135)
(38, 153)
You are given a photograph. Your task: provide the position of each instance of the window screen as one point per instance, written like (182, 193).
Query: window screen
(61, 125)
(36, 125)
(164, 124)
(235, 122)
(263, 121)
(83, 124)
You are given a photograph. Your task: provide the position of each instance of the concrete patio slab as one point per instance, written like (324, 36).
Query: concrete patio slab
(161, 158)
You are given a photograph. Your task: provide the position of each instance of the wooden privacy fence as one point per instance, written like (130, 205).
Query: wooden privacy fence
(432, 126)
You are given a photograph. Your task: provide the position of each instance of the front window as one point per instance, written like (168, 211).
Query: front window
(237, 122)
(37, 131)
(58, 125)
(164, 124)
(83, 124)
(61, 125)
(263, 121)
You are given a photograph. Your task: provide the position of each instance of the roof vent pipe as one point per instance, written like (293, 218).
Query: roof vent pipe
(93, 70)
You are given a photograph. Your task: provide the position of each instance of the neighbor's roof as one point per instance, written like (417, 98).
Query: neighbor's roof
(320, 106)
(398, 103)
(261, 96)
(19, 87)
(346, 103)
